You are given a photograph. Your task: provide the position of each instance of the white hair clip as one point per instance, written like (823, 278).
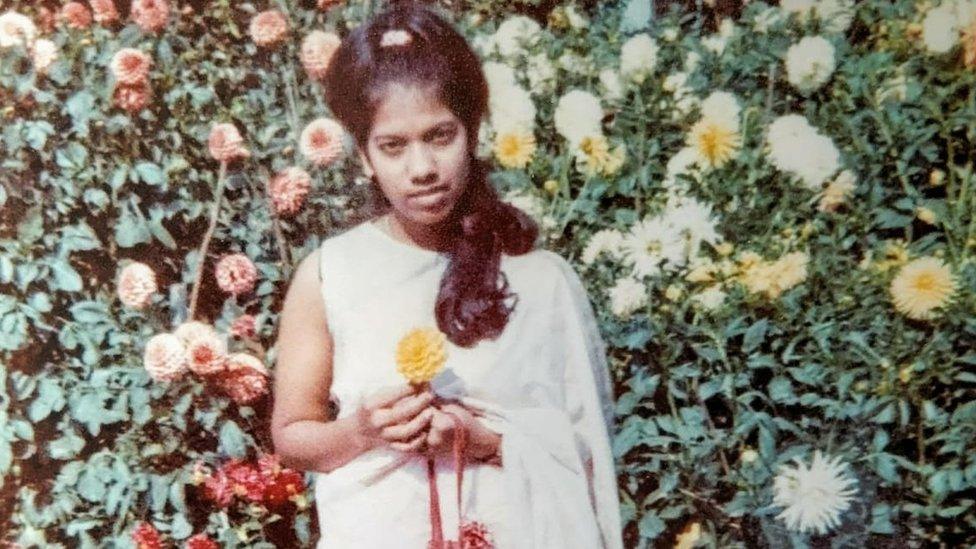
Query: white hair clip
(395, 37)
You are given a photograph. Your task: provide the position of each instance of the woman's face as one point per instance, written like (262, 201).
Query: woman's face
(417, 149)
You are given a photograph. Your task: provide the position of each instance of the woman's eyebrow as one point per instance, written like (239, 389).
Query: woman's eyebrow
(447, 124)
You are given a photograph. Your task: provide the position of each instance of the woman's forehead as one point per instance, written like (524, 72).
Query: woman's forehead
(406, 109)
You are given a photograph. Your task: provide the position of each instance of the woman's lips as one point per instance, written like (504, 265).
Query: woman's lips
(432, 198)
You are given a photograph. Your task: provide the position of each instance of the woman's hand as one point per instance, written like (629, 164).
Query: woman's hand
(481, 441)
(396, 417)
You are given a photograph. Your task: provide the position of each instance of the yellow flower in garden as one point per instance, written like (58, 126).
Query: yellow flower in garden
(688, 537)
(921, 287)
(714, 140)
(895, 255)
(593, 153)
(926, 215)
(514, 149)
(551, 186)
(791, 269)
(772, 278)
(969, 44)
(420, 355)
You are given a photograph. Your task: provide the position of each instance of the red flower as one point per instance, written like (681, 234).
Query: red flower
(474, 535)
(201, 541)
(287, 484)
(244, 327)
(145, 536)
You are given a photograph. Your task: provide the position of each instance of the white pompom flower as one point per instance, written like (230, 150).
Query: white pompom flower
(810, 63)
(578, 115)
(814, 497)
(627, 296)
(638, 57)
(940, 29)
(515, 35)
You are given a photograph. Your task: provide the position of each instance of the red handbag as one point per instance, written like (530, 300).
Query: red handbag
(471, 535)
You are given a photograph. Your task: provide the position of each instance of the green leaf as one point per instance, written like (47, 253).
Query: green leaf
(650, 526)
(232, 440)
(150, 173)
(636, 16)
(66, 278)
(754, 336)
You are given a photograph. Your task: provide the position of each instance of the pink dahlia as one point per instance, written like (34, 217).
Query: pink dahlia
(150, 15)
(164, 357)
(245, 378)
(201, 541)
(137, 284)
(76, 15)
(246, 479)
(289, 189)
(45, 20)
(268, 28)
(206, 355)
(236, 274)
(104, 11)
(244, 327)
(130, 66)
(132, 98)
(192, 330)
(145, 536)
(321, 141)
(317, 51)
(218, 488)
(226, 143)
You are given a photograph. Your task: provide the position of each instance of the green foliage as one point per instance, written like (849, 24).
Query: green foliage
(710, 402)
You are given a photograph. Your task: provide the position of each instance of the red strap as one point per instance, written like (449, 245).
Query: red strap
(460, 441)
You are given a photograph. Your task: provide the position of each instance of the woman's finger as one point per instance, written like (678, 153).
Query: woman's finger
(403, 431)
(388, 395)
(406, 408)
(416, 444)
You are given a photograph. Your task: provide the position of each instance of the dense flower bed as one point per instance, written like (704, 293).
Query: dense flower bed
(773, 213)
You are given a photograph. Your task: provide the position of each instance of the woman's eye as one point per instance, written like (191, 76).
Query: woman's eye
(444, 137)
(391, 148)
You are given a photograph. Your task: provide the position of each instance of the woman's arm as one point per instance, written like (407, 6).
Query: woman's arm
(304, 435)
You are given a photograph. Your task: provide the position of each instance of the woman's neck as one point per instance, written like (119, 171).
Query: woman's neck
(417, 234)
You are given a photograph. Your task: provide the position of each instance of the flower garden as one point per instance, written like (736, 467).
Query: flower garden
(773, 209)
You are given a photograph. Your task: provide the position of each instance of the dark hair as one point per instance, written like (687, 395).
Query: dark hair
(472, 303)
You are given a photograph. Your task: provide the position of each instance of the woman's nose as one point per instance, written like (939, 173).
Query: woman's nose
(420, 165)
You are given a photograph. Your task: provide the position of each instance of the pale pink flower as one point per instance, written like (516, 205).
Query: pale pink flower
(245, 378)
(244, 327)
(164, 357)
(192, 330)
(268, 28)
(321, 141)
(132, 97)
(288, 190)
(226, 143)
(206, 355)
(104, 11)
(317, 51)
(137, 284)
(150, 15)
(130, 66)
(46, 20)
(43, 54)
(76, 15)
(236, 274)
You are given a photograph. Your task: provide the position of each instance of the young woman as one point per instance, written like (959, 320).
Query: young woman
(526, 372)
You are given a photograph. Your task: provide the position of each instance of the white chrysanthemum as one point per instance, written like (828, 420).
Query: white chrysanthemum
(798, 148)
(44, 53)
(799, 7)
(578, 114)
(512, 110)
(498, 75)
(813, 497)
(651, 243)
(693, 220)
(710, 298)
(684, 161)
(16, 30)
(605, 241)
(541, 73)
(483, 44)
(940, 29)
(720, 105)
(638, 56)
(612, 85)
(809, 63)
(836, 15)
(675, 82)
(515, 35)
(532, 205)
(627, 296)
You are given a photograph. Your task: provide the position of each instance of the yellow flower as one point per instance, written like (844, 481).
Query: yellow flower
(922, 286)
(791, 269)
(420, 355)
(905, 373)
(724, 248)
(551, 186)
(936, 177)
(673, 292)
(926, 215)
(714, 140)
(593, 154)
(615, 160)
(688, 537)
(772, 278)
(702, 273)
(514, 149)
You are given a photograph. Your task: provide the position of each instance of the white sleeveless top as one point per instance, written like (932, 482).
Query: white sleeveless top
(543, 384)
